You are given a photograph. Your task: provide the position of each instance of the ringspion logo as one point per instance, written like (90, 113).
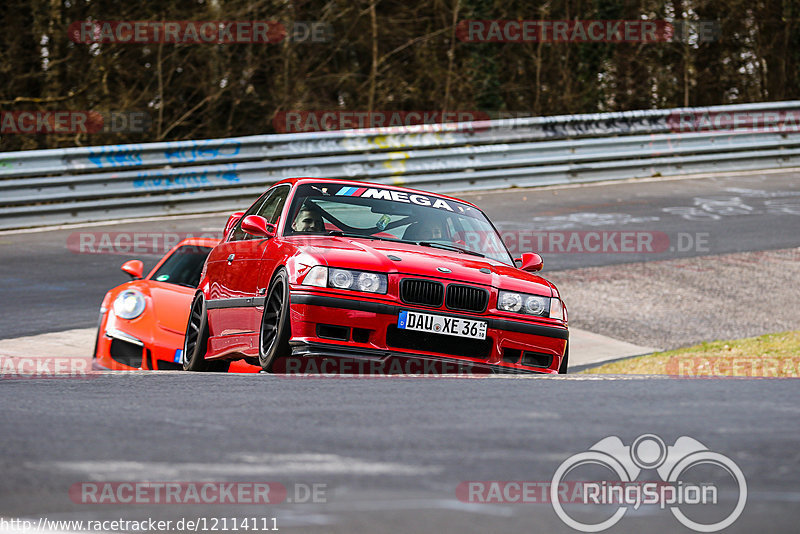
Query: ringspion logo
(649, 452)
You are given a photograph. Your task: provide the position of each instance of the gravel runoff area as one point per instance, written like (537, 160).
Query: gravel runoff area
(677, 303)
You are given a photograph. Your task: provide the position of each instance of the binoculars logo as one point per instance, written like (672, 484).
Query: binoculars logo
(648, 451)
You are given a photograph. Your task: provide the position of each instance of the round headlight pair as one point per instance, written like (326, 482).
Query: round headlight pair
(321, 276)
(522, 303)
(360, 281)
(129, 304)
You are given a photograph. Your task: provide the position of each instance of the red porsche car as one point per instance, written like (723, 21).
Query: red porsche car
(318, 270)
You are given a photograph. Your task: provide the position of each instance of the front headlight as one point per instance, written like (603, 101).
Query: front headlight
(557, 310)
(129, 304)
(523, 303)
(321, 276)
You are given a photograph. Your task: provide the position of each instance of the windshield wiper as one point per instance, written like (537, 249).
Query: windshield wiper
(339, 233)
(447, 246)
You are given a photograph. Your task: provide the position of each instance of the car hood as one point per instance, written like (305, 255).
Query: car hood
(402, 258)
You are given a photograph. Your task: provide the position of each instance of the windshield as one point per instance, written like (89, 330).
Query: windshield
(183, 267)
(377, 213)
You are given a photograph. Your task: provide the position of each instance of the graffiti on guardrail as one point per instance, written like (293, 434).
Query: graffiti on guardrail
(312, 147)
(202, 150)
(404, 140)
(404, 164)
(183, 152)
(186, 180)
(115, 157)
(604, 126)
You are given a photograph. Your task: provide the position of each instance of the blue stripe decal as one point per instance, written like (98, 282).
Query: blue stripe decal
(346, 191)
(178, 354)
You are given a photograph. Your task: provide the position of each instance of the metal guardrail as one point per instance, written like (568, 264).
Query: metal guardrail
(107, 182)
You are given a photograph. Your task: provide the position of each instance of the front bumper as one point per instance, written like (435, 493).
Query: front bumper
(327, 326)
(119, 350)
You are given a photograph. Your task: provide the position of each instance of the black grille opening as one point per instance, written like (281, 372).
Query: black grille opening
(162, 365)
(439, 343)
(511, 355)
(536, 359)
(466, 298)
(126, 353)
(361, 335)
(330, 331)
(424, 292)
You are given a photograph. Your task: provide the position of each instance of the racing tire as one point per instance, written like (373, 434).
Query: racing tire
(273, 337)
(195, 342)
(562, 369)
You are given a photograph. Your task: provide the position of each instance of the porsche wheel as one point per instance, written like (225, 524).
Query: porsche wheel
(273, 340)
(195, 342)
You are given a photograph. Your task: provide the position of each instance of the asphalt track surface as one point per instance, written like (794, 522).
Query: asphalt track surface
(392, 451)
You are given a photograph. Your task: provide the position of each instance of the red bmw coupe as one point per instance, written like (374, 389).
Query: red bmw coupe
(327, 271)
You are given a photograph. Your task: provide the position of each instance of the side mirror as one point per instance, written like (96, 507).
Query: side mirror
(531, 262)
(232, 220)
(258, 226)
(135, 268)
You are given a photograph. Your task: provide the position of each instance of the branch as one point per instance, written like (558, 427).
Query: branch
(43, 100)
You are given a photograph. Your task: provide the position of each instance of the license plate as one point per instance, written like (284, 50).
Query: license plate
(441, 324)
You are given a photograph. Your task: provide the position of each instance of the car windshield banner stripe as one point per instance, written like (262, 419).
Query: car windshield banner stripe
(397, 196)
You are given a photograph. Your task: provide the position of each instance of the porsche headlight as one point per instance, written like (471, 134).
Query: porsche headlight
(321, 276)
(129, 304)
(523, 303)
